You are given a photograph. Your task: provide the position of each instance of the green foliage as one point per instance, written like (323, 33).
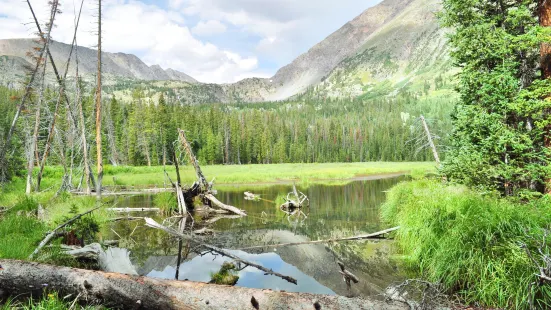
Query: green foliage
(501, 120)
(166, 202)
(470, 243)
(226, 275)
(21, 233)
(85, 228)
(51, 301)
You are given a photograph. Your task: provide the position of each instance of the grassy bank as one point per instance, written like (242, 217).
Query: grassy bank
(235, 174)
(471, 243)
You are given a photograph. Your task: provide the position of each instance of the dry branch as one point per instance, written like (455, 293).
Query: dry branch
(54, 232)
(220, 205)
(151, 223)
(376, 236)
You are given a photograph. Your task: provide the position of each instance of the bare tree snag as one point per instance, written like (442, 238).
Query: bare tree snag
(220, 205)
(133, 292)
(431, 142)
(27, 93)
(189, 151)
(98, 109)
(34, 142)
(545, 64)
(62, 95)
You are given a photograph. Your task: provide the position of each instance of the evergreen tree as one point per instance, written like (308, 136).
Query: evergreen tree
(498, 137)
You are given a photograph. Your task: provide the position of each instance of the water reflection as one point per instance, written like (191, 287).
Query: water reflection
(335, 211)
(200, 269)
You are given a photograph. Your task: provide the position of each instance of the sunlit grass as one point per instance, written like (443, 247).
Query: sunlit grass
(247, 174)
(469, 242)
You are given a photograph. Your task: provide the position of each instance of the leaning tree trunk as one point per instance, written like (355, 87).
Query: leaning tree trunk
(545, 63)
(19, 278)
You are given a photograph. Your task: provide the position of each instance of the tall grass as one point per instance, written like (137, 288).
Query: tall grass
(470, 243)
(51, 301)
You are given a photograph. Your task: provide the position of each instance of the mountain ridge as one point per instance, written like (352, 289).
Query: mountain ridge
(116, 64)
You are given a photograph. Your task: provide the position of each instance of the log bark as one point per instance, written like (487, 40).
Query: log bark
(220, 205)
(133, 292)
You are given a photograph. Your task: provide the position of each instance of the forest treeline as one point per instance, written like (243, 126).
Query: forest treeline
(143, 131)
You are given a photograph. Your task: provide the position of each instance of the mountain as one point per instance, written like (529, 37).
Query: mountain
(396, 46)
(14, 51)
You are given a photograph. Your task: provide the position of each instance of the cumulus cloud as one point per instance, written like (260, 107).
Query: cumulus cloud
(287, 27)
(156, 35)
(208, 28)
(173, 33)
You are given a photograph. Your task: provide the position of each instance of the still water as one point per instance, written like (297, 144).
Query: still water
(339, 210)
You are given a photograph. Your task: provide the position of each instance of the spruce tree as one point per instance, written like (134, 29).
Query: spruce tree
(499, 125)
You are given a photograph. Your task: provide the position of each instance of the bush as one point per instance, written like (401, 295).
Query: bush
(470, 243)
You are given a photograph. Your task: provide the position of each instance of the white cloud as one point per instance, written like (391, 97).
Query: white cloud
(156, 35)
(208, 28)
(287, 27)
(276, 31)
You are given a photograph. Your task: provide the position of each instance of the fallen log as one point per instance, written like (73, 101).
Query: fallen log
(373, 236)
(128, 210)
(19, 278)
(220, 205)
(54, 232)
(151, 223)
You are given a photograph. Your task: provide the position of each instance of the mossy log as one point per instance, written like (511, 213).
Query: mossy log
(18, 278)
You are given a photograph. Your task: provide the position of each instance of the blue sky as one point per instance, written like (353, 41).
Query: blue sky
(212, 40)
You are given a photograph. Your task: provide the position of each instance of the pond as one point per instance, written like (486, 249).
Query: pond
(335, 211)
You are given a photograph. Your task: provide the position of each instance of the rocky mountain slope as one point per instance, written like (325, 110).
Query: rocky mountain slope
(14, 51)
(395, 46)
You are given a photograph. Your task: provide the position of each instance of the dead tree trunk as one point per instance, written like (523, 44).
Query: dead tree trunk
(33, 148)
(62, 95)
(430, 140)
(27, 93)
(187, 147)
(133, 292)
(98, 109)
(545, 64)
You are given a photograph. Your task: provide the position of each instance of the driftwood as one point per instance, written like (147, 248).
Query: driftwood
(91, 251)
(220, 205)
(151, 223)
(251, 196)
(373, 236)
(126, 218)
(347, 276)
(128, 210)
(132, 292)
(53, 233)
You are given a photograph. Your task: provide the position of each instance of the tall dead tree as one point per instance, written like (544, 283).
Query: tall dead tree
(34, 139)
(46, 41)
(430, 140)
(98, 109)
(61, 97)
(545, 64)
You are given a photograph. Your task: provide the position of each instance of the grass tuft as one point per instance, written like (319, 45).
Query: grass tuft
(470, 243)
